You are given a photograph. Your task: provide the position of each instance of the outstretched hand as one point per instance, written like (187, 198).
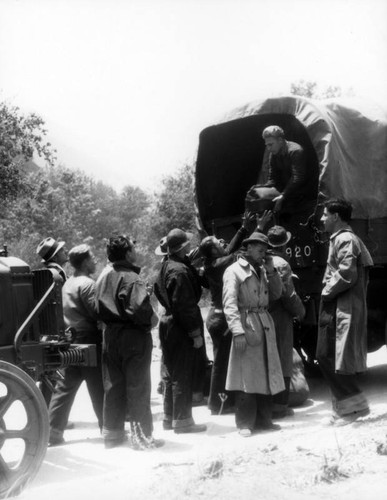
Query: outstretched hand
(247, 217)
(264, 219)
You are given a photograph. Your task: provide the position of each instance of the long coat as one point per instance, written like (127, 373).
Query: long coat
(283, 311)
(343, 305)
(257, 369)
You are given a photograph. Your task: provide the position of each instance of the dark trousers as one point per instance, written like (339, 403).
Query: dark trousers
(217, 327)
(126, 361)
(66, 390)
(252, 411)
(178, 359)
(347, 396)
(282, 398)
(46, 390)
(199, 369)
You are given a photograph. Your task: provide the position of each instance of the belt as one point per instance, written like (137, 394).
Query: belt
(254, 309)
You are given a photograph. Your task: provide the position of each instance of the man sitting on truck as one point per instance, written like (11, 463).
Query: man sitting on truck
(287, 169)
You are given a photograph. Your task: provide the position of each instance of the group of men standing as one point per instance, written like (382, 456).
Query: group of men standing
(254, 303)
(119, 304)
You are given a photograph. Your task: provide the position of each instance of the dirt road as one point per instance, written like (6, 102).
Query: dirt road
(301, 461)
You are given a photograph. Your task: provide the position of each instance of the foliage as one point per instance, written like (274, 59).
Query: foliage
(307, 88)
(67, 205)
(303, 88)
(70, 206)
(20, 137)
(175, 202)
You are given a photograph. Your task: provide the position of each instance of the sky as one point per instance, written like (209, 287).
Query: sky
(126, 86)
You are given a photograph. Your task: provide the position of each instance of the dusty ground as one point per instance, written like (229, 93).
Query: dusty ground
(301, 461)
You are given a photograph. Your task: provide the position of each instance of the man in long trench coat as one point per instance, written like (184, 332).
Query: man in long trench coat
(254, 370)
(342, 338)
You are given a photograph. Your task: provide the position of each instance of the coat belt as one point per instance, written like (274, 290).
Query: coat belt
(254, 309)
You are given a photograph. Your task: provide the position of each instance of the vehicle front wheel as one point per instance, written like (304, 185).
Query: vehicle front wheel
(24, 429)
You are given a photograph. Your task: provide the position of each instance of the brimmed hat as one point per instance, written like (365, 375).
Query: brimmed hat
(256, 238)
(48, 248)
(278, 236)
(162, 249)
(177, 239)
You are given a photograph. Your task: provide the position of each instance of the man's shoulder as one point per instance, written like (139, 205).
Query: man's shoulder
(175, 266)
(280, 262)
(78, 282)
(56, 270)
(239, 267)
(81, 279)
(294, 148)
(344, 235)
(86, 282)
(347, 237)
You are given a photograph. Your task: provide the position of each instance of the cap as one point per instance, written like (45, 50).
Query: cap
(278, 236)
(48, 248)
(177, 239)
(256, 238)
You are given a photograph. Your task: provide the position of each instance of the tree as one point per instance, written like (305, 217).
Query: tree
(175, 202)
(311, 90)
(20, 137)
(303, 88)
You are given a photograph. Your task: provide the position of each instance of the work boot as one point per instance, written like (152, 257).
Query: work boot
(56, 438)
(282, 413)
(113, 443)
(189, 429)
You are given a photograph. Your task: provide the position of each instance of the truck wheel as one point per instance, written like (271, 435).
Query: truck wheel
(24, 429)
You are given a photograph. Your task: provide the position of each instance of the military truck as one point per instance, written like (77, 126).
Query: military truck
(345, 142)
(33, 347)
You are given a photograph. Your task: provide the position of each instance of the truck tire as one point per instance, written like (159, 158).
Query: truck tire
(24, 429)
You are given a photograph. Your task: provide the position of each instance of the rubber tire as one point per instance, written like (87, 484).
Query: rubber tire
(21, 387)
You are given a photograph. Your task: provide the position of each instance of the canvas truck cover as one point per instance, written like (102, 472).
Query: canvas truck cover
(345, 139)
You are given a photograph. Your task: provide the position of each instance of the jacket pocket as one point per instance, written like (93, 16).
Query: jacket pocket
(252, 333)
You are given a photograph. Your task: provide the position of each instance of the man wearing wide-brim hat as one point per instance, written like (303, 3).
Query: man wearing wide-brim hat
(254, 370)
(54, 255)
(283, 311)
(162, 248)
(178, 289)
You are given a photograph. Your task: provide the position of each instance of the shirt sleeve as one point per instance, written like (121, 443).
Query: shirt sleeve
(290, 299)
(184, 305)
(236, 242)
(134, 303)
(275, 285)
(87, 294)
(231, 285)
(298, 168)
(345, 276)
(271, 176)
